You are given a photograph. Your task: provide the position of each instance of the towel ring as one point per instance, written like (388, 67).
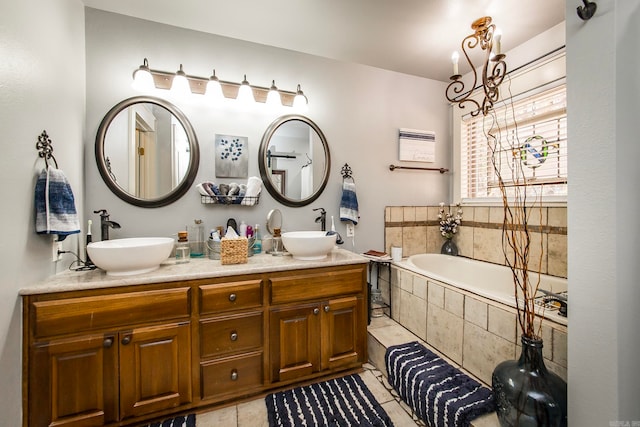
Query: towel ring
(45, 148)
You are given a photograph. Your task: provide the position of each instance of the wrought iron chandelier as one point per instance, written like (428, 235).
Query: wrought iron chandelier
(493, 71)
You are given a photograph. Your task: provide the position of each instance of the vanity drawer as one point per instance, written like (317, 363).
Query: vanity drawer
(82, 314)
(230, 334)
(230, 296)
(317, 284)
(231, 376)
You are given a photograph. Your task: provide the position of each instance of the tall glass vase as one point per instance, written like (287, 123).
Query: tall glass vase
(449, 248)
(527, 395)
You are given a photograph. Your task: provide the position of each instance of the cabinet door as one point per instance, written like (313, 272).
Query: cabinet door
(155, 369)
(294, 341)
(74, 382)
(342, 333)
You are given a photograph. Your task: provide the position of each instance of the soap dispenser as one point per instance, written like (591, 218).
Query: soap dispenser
(183, 251)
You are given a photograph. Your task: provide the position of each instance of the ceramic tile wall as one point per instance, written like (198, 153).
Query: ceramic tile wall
(472, 331)
(416, 229)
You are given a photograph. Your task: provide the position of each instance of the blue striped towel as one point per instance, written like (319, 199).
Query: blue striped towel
(441, 395)
(349, 202)
(55, 205)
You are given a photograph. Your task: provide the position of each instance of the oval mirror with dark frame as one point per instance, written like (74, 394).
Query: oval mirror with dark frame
(294, 160)
(147, 151)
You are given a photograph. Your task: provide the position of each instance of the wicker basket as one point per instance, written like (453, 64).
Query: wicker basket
(234, 251)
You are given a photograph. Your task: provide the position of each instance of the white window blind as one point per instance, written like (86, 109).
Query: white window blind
(531, 147)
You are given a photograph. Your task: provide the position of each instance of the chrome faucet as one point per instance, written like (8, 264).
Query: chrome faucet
(562, 300)
(322, 219)
(105, 224)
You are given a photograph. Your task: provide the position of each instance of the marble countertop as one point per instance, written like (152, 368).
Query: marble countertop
(203, 268)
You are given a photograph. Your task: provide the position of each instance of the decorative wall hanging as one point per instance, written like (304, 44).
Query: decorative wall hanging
(416, 145)
(232, 156)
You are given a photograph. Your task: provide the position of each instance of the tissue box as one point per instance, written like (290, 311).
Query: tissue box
(234, 251)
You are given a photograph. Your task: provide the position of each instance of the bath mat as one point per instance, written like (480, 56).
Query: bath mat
(179, 421)
(340, 402)
(440, 394)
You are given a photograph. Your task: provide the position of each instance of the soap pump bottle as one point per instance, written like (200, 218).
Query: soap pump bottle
(183, 251)
(257, 244)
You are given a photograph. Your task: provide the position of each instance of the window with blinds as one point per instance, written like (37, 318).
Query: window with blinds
(530, 147)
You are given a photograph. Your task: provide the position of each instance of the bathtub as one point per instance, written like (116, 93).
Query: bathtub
(487, 280)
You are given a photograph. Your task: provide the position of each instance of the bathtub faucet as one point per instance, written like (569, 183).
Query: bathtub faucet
(560, 299)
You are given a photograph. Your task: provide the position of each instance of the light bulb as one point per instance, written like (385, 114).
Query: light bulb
(273, 97)
(245, 94)
(300, 102)
(142, 78)
(180, 85)
(454, 60)
(497, 46)
(214, 89)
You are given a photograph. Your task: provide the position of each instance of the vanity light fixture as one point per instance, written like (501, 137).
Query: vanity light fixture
(180, 84)
(207, 85)
(142, 78)
(494, 69)
(273, 97)
(245, 93)
(300, 101)
(214, 89)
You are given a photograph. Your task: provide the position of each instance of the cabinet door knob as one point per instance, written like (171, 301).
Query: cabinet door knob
(232, 297)
(234, 336)
(108, 342)
(316, 310)
(234, 375)
(326, 308)
(126, 340)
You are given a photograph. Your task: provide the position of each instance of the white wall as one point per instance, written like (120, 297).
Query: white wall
(42, 77)
(358, 108)
(603, 93)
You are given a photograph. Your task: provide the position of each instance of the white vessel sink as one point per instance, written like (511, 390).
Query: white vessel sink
(123, 257)
(308, 245)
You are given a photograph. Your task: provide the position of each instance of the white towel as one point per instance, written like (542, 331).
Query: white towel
(306, 182)
(254, 187)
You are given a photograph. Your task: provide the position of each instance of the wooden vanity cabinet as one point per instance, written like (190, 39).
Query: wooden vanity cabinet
(122, 356)
(231, 332)
(98, 359)
(317, 322)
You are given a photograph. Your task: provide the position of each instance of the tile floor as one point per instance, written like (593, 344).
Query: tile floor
(382, 332)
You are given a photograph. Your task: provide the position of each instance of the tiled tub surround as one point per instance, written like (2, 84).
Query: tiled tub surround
(416, 229)
(472, 331)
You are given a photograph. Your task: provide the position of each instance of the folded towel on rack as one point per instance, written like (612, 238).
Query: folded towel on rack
(55, 205)
(349, 202)
(241, 194)
(254, 187)
(204, 189)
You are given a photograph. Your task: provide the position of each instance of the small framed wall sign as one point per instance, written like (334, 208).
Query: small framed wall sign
(416, 145)
(232, 156)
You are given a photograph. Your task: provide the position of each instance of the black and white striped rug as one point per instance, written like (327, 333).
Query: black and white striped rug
(340, 402)
(438, 393)
(179, 421)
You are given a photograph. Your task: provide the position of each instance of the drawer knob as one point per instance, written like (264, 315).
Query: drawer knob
(126, 340)
(108, 342)
(326, 309)
(234, 336)
(234, 375)
(316, 310)
(232, 297)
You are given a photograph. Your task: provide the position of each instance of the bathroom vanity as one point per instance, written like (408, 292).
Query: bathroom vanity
(101, 350)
